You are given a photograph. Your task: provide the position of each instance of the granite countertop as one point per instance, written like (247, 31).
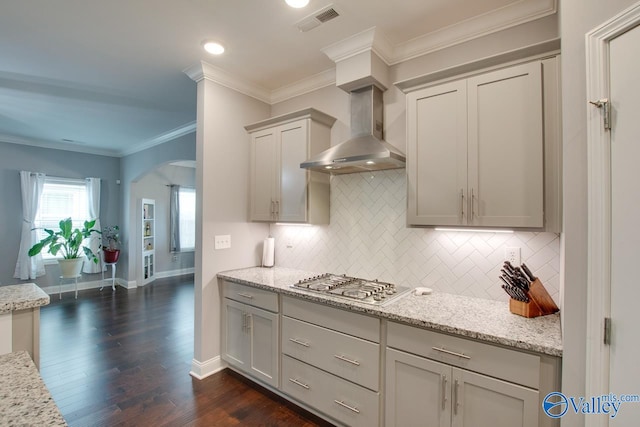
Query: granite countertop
(477, 318)
(24, 399)
(20, 297)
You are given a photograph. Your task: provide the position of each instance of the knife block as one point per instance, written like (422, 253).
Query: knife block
(540, 302)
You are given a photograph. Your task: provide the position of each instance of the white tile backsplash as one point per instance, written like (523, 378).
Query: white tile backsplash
(368, 237)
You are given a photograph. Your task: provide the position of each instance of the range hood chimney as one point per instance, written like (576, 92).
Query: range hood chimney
(366, 150)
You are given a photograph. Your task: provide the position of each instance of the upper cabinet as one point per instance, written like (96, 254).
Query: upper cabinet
(475, 150)
(279, 189)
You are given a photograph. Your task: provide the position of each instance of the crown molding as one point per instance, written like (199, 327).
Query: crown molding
(161, 139)
(56, 145)
(206, 71)
(497, 20)
(372, 39)
(315, 82)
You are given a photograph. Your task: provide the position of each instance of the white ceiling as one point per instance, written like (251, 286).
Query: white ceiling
(109, 75)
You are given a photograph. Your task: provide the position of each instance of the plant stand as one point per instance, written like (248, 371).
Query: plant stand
(68, 277)
(113, 275)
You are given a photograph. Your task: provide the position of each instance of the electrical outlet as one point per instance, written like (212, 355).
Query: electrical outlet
(512, 255)
(222, 242)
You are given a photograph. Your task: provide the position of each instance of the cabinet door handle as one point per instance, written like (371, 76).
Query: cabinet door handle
(462, 203)
(302, 343)
(243, 295)
(273, 208)
(296, 382)
(244, 322)
(344, 405)
(249, 321)
(473, 198)
(345, 359)
(452, 353)
(455, 398)
(444, 392)
(277, 207)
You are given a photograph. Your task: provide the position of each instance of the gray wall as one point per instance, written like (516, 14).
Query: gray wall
(154, 185)
(134, 167)
(577, 17)
(67, 164)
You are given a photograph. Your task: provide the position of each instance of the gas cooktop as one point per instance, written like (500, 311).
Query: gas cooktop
(353, 288)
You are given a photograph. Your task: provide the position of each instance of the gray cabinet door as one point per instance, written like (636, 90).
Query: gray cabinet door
(263, 175)
(291, 203)
(263, 341)
(505, 147)
(437, 155)
(417, 391)
(235, 349)
(481, 401)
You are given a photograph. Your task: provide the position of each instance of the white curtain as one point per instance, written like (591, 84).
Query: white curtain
(93, 198)
(28, 267)
(174, 217)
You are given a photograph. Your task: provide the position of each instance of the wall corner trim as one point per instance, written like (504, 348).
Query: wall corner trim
(201, 370)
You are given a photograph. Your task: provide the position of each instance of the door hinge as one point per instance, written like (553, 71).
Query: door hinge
(605, 104)
(607, 331)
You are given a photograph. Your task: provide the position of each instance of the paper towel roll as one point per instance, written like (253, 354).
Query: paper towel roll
(268, 252)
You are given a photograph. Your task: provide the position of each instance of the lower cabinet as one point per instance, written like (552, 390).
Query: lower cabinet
(341, 400)
(250, 340)
(422, 392)
(331, 361)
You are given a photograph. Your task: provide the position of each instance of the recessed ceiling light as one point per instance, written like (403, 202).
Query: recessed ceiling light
(370, 162)
(297, 3)
(214, 48)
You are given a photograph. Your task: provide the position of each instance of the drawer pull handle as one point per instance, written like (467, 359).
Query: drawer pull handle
(248, 296)
(453, 353)
(344, 359)
(296, 382)
(302, 343)
(344, 405)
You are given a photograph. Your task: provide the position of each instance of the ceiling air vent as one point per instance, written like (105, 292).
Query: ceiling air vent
(317, 18)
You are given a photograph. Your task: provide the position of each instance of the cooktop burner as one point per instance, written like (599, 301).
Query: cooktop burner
(361, 290)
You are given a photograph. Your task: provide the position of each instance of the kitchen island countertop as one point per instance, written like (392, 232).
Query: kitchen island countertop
(21, 297)
(481, 319)
(24, 399)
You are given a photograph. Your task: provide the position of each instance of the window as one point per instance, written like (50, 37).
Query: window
(183, 219)
(187, 219)
(61, 198)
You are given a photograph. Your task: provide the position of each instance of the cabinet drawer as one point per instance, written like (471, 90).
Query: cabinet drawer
(344, 401)
(358, 325)
(348, 357)
(514, 366)
(253, 296)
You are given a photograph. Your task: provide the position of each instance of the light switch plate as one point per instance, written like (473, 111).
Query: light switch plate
(223, 241)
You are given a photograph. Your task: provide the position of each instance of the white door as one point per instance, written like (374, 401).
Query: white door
(625, 212)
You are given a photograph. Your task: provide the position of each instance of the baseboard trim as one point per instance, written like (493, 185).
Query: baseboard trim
(173, 273)
(201, 370)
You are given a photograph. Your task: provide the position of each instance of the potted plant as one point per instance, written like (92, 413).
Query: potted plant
(67, 241)
(111, 235)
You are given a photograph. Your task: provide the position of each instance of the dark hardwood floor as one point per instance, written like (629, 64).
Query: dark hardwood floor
(123, 358)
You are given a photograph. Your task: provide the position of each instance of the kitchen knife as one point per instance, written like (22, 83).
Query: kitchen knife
(508, 280)
(516, 281)
(528, 272)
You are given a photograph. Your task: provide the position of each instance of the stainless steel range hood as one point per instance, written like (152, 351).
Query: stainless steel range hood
(366, 150)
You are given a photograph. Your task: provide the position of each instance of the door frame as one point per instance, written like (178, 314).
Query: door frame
(599, 203)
